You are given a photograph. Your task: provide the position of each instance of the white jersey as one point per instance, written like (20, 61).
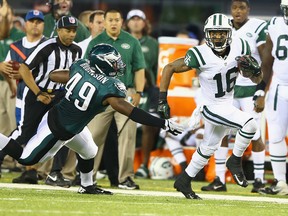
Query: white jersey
(253, 31)
(217, 75)
(278, 32)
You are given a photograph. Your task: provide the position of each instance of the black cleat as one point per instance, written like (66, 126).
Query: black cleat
(276, 188)
(257, 185)
(27, 177)
(57, 179)
(216, 185)
(92, 189)
(128, 184)
(234, 164)
(183, 185)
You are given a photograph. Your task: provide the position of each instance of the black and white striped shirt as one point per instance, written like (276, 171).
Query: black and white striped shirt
(48, 56)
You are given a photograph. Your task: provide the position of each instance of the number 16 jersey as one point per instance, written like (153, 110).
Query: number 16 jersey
(217, 75)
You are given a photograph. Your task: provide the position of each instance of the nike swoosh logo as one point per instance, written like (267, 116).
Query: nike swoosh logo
(53, 178)
(275, 190)
(239, 182)
(217, 187)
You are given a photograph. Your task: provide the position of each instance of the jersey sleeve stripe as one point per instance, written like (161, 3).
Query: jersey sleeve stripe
(242, 49)
(260, 27)
(198, 56)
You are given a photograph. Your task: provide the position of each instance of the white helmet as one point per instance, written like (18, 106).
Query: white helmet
(284, 8)
(161, 168)
(218, 22)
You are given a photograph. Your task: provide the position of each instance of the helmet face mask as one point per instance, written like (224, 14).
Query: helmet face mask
(105, 59)
(284, 9)
(218, 32)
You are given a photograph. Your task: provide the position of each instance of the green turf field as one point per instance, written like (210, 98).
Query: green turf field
(156, 198)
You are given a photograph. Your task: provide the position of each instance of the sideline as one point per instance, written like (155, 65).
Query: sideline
(154, 193)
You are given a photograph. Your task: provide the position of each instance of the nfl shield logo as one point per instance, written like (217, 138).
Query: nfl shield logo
(72, 20)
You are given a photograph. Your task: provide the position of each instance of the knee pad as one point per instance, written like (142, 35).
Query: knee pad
(207, 150)
(250, 126)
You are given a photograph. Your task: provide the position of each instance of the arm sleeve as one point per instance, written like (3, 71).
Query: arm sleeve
(142, 117)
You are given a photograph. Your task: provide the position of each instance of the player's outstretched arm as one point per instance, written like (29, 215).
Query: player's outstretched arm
(177, 66)
(142, 117)
(59, 76)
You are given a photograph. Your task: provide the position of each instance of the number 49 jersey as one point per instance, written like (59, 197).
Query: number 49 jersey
(85, 93)
(217, 75)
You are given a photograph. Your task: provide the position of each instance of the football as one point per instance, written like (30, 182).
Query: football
(15, 65)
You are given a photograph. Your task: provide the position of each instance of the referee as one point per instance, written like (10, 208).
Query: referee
(41, 93)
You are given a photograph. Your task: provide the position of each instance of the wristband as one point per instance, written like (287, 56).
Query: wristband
(261, 86)
(139, 92)
(39, 93)
(162, 95)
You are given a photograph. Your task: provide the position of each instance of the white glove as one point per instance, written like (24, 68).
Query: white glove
(195, 118)
(173, 127)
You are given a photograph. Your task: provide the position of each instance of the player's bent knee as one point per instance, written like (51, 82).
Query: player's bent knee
(209, 150)
(250, 126)
(91, 153)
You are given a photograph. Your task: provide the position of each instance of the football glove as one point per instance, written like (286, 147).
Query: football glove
(163, 107)
(172, 127)
(248, 66)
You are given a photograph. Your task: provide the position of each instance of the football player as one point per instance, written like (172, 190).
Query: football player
(218, 70)
(90, 89)
(253, 31)
(275, 63)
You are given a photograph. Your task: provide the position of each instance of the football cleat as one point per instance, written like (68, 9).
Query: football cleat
(128, 184)
(234, 164)
(276, 188)
(183, 185)
(92, 189)
(27, 177)
(216, 185)
(257, 185)
(57, 179)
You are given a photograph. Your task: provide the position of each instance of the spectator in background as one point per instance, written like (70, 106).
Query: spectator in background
(18, 52)
(58, 9)
(19, 23)
(138, 26)
(96, 26)
(84, 17)
(130, 50)
(5, 19)
(8, 34)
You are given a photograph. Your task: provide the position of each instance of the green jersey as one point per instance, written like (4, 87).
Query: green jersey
(130, 50)
(150, 49)
(85, 93)
(14, 35)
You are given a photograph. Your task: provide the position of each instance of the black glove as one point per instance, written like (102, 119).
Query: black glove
(163, 107)
(173, 127)
(248, 66)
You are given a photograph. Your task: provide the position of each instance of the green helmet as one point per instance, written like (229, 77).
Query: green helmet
(107, 60)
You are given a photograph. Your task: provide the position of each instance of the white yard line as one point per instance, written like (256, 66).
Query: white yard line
(155, 193)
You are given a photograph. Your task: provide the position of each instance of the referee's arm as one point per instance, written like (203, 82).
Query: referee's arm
(30, 82)
(28, 78)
